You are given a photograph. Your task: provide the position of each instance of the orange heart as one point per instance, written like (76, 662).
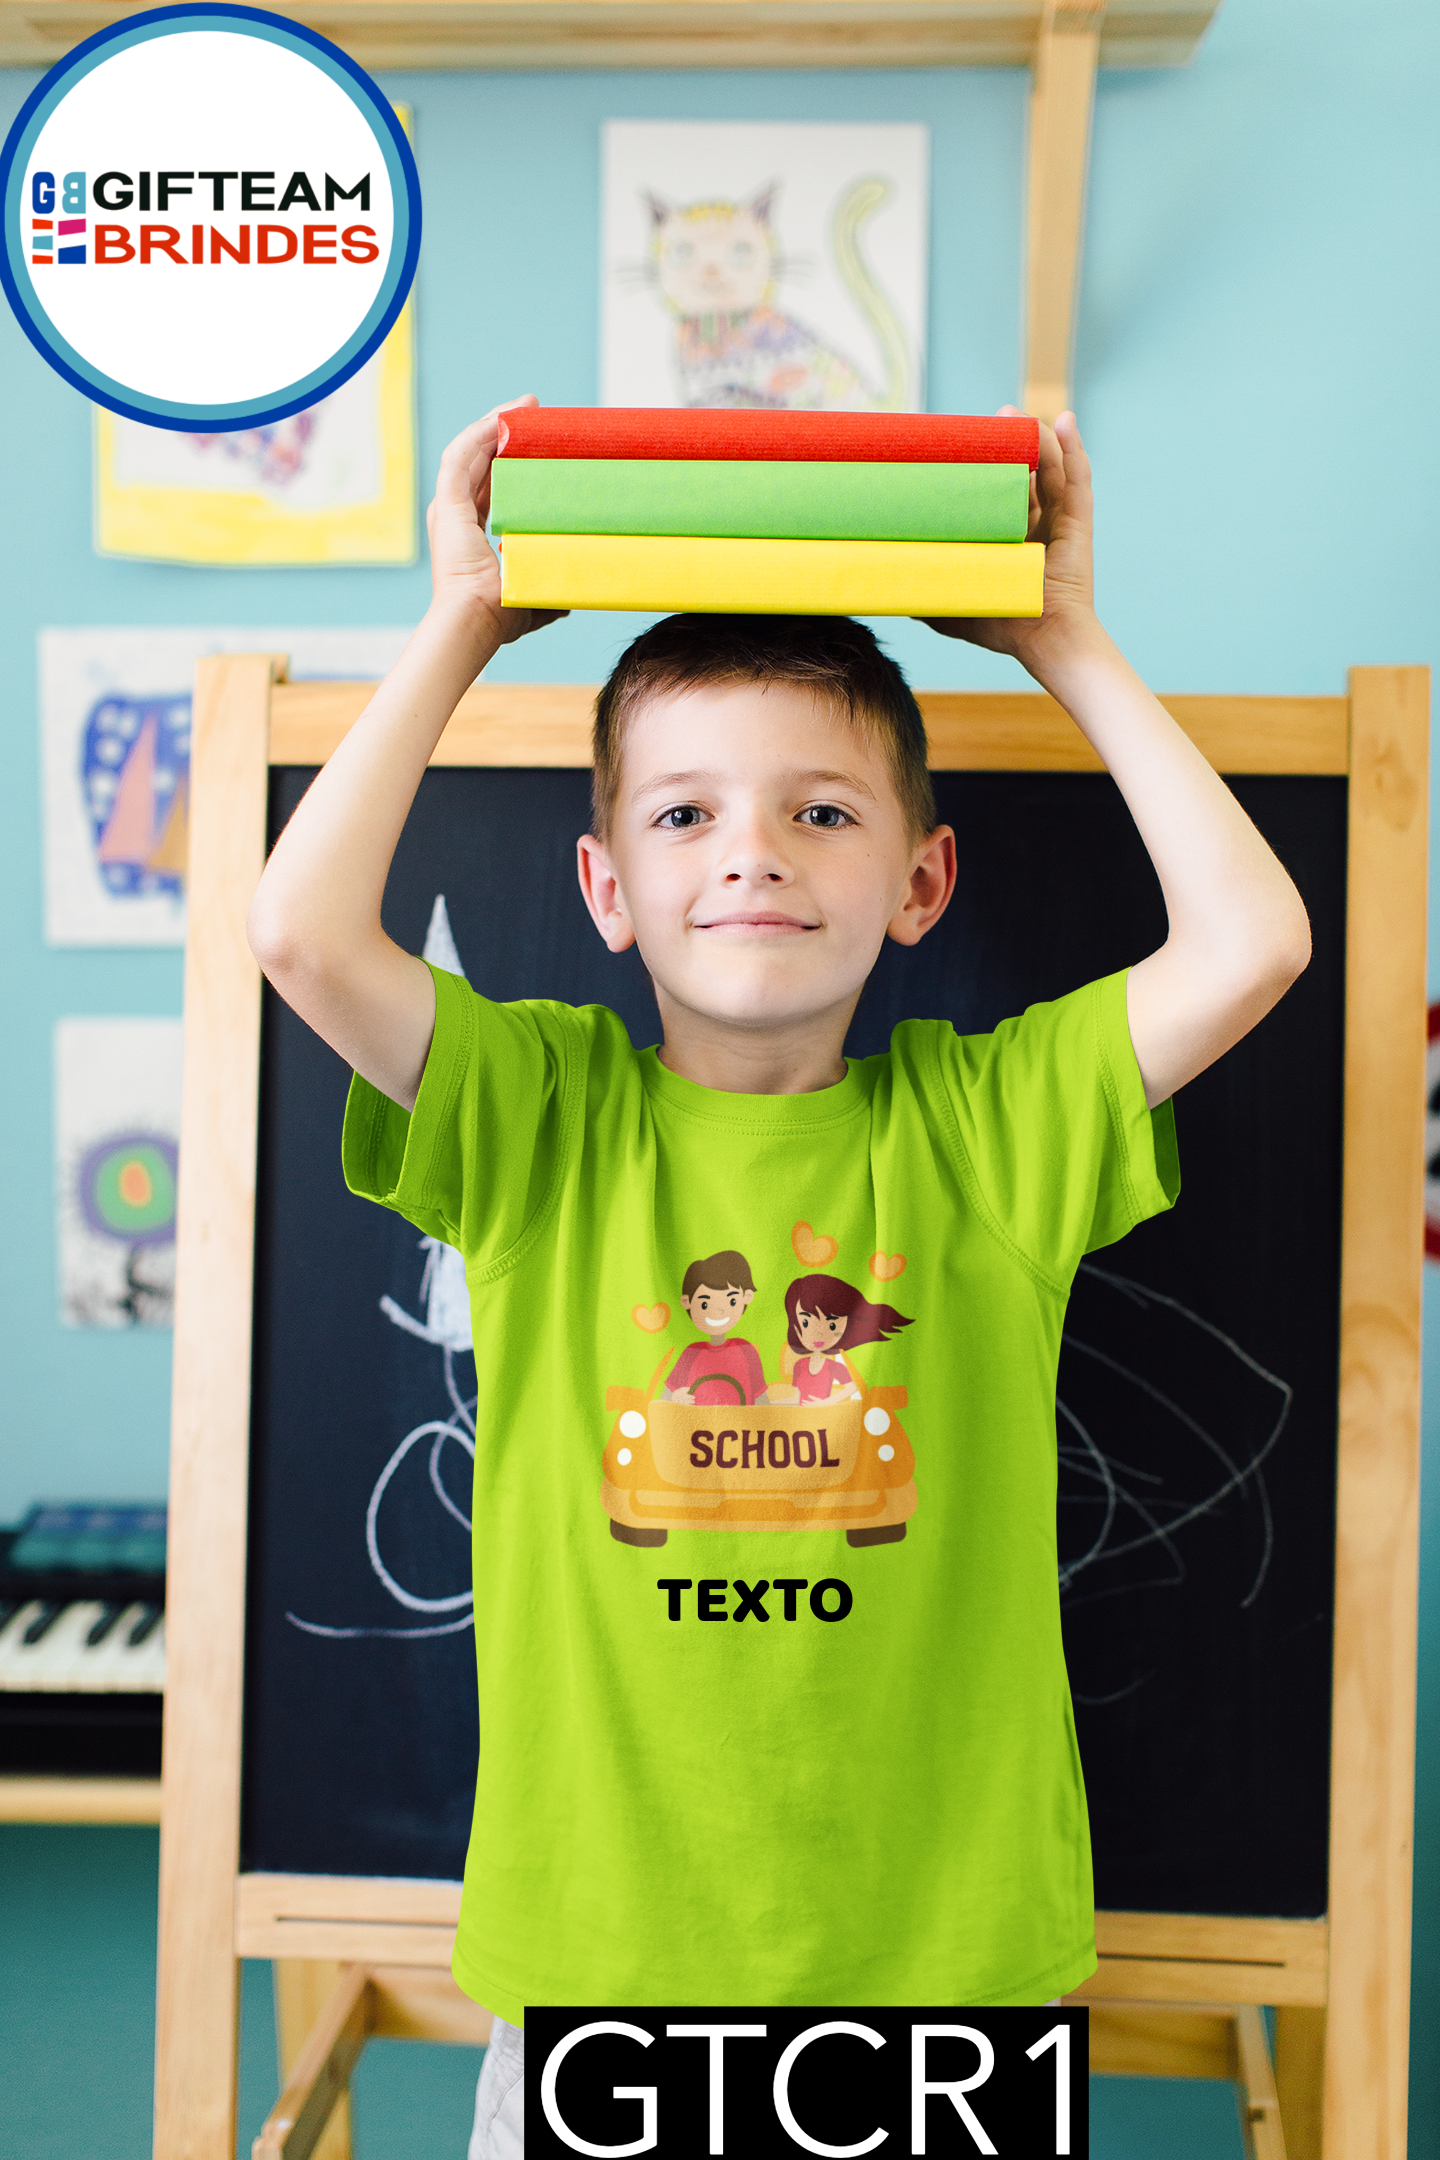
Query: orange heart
(651, 1317)
(886, 1266)
(814, 1251)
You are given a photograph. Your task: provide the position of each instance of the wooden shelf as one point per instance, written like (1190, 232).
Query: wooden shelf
(556, 34)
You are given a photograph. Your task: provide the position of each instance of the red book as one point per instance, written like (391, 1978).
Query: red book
(617, 431)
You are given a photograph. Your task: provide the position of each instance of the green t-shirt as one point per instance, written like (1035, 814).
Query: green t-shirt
(853, 1780)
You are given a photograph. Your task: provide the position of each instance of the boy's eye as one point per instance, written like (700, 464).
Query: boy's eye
(683, 817)
(825, 816)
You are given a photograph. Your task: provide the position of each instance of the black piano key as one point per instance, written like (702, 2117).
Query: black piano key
(43, 1621)
(105, 1619)
(8, 1609)
(146, 1625)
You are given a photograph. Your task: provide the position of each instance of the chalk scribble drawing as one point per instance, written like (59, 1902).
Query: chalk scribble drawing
(1128, 1498)
(445, 1326)
(764, 266)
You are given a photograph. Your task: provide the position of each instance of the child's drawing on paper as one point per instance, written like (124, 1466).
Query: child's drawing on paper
(325, 458)
(117, 1127)
(135, 771)
(275, 456)
(332, 484)
(708, 229)
(115, 746)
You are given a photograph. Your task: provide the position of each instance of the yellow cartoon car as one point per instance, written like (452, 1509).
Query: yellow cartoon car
(841, 1464)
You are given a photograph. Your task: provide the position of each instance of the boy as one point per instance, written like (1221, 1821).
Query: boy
(714, 1294)
(886, 1808)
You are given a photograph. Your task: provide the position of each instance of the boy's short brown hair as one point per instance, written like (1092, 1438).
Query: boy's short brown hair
(832, 656)
(722, 1271)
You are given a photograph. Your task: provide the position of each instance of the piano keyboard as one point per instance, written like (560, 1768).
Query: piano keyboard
(82, 1647)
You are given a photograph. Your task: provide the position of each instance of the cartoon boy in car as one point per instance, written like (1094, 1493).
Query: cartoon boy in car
(717, 1370)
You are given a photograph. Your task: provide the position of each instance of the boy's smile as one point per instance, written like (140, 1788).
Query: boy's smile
(758, 857)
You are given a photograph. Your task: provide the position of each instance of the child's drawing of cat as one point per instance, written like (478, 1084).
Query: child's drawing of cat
(718, 265)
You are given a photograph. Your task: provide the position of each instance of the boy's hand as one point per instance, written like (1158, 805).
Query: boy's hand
(1062, 516)
(464, 568)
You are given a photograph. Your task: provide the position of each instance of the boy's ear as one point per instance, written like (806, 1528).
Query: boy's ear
(600, 889)
(927, 894)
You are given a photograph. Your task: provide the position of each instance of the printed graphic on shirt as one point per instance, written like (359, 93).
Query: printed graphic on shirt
(828, 1453)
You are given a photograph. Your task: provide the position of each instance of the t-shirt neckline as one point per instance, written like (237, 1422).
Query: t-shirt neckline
(756, 1113)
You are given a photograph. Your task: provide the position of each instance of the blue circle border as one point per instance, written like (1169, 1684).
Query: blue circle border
(367, 339)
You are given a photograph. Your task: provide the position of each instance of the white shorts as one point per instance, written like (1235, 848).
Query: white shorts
(499, 2132)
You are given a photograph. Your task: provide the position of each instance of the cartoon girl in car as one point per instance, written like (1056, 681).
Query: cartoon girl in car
(821, 1313)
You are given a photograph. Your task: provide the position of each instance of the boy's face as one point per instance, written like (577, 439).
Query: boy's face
(758, 857)
(716, 1311)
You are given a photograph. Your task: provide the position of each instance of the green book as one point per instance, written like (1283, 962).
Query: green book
(752, 499)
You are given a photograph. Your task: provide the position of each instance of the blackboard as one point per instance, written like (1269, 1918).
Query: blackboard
(1198, 1386)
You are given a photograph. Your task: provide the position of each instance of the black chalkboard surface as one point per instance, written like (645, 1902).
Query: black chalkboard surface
(1197, 1395)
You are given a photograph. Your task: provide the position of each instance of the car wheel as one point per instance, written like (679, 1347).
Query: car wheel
(890, 1535)
(627, 1536)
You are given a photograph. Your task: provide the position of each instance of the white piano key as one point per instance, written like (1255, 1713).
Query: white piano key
(46, 1664)
(11, 1637)
(62, 1662)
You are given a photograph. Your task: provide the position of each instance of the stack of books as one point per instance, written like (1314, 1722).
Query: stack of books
(766, 513)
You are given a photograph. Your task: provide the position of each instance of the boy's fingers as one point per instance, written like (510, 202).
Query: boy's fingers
(1072, 450)
(476, 444)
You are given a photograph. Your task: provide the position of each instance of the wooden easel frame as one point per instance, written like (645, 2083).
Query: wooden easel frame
(1341, 1985)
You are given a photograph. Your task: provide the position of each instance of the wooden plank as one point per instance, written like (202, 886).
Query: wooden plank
(548, 724)
(1259, 2107)
(79, 1800)
(198, 1999)
(302, 1990)
(401, 1900)
(1067, 52)
(1189, 1957)
(1300, 2079)
(1024, 730)
(551, 34)
(296, 2124)
(1189, 2040)
(356, 1941)
(374, 1921)
(1176, 1980)
(1377, 1494)
(494, 723)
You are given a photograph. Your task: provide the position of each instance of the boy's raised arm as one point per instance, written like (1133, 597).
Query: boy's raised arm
(1238, 931)
(314, 924)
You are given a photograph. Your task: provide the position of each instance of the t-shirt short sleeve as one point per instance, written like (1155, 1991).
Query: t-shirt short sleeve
(473, 1162)
(1052, 1119)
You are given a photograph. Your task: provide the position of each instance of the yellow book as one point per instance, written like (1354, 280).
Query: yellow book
(772, 577)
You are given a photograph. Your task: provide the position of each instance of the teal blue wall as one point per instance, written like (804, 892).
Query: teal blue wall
(1259, 300)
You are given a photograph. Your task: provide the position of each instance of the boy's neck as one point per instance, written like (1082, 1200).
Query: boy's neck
(795, 1058)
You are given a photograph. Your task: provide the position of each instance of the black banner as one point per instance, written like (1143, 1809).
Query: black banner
(782, 2083)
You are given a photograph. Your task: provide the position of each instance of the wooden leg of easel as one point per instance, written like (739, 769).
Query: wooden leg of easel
(303, 1986)
(321, 2075)
(1300, 2079)
(1259, 2103)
